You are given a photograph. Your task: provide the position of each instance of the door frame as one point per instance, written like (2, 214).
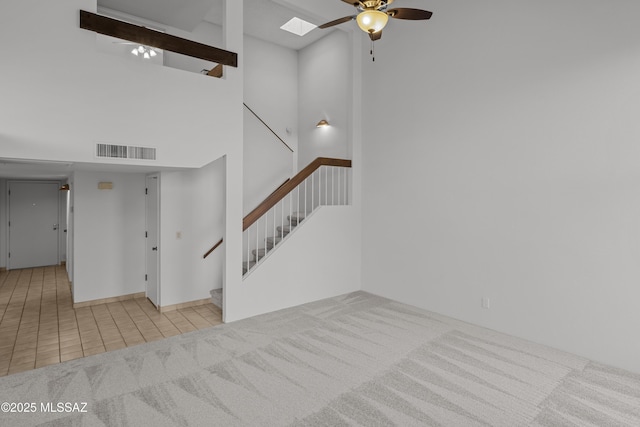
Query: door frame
(8, 217)
(148, 251)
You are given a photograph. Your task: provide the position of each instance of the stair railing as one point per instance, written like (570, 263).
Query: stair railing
(213, 248)
(267, 126)
(324, 182)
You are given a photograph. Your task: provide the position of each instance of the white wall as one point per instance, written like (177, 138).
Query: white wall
(271, 91)
(191, 204)
(232, 274)
(109, 226)
(271, 86)
(319, 260)
(86, 96)
(322, 258)
(507, 147)
(324, 93)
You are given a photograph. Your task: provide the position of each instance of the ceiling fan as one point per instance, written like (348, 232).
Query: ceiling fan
(373, 15)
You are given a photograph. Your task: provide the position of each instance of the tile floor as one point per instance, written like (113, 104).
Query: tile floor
(40, 327)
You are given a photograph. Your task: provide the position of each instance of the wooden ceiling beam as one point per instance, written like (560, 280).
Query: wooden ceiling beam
(147, 37)
(216, 71)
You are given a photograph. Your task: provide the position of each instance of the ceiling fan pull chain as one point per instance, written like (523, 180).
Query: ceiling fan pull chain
(372, 52)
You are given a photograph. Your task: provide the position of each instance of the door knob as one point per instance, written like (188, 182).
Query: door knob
(155, 248)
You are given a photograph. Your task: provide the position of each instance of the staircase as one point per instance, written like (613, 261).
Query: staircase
(271, 242)
(324, 182)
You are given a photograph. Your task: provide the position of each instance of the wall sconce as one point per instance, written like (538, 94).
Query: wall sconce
(322, 124)
(65, 187)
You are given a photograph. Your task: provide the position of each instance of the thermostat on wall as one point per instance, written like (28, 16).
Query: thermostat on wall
(105, 186)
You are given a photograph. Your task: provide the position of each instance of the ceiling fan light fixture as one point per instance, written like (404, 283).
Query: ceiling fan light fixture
(371, 21)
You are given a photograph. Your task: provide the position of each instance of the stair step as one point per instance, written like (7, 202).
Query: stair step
(216, 297)
(296, 218)
(247, 265)
(284, 230)
(272, 241)
(259, 253)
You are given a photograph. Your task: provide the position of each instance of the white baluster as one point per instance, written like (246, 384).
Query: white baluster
(333, 184)
(298, 206)
(248, 231)
(290, 210)
(339, 185)
(313, 190)
(257, 238)
(326, 186)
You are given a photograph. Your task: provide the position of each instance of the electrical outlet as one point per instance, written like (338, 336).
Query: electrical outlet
(486, 302)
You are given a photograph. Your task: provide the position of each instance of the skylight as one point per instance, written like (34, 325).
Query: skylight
(298, 26)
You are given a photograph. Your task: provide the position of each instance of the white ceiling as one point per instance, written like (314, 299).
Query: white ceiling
(182, 14)
(262, 18)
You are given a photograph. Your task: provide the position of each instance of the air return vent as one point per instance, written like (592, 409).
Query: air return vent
(125, 152)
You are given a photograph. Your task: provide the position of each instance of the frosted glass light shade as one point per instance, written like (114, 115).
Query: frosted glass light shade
(372, 21)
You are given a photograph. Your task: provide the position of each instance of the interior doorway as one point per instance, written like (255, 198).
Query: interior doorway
(33, 224)
(152, 213)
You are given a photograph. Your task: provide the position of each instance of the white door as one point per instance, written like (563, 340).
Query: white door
(152, 234)
(33, 224)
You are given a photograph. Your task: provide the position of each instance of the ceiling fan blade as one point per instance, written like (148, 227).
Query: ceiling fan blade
(408, 13)
(353, 3)
(375, 36)
(337, 22)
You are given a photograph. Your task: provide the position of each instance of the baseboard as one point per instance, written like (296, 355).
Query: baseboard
(184, 305)
(108, 300)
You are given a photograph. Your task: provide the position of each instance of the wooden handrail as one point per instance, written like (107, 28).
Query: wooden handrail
(213, 248)
(288, 186)
(279, 187)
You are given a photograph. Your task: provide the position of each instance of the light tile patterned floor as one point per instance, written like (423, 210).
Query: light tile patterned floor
(40, 327)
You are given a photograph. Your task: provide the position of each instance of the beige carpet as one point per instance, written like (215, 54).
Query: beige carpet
(351, 360)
